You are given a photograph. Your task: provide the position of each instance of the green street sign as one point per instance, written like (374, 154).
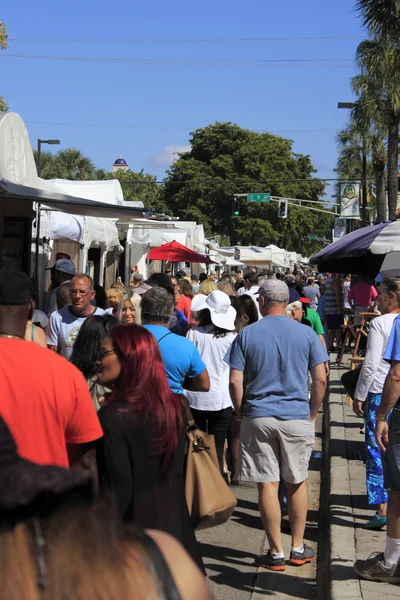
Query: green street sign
(312, 237)
(258, 197)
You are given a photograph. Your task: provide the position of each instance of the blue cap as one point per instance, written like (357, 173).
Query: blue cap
(65, 265)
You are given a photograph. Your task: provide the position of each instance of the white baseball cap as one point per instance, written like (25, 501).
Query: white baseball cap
(222, 313)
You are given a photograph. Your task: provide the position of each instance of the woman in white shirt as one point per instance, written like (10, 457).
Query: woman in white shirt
(212, 410)
(368, 394)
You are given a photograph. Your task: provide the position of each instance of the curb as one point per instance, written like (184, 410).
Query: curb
(342, 551)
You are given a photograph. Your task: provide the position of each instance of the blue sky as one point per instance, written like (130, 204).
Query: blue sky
(170, 100)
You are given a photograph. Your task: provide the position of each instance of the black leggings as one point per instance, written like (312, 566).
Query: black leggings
(215, 422)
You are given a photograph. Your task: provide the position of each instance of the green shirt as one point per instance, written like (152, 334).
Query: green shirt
(315, 321)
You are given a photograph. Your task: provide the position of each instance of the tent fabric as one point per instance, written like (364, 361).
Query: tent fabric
(68, 204)
(107, 191)
(90, 232)
(101, 233)
(17, 164)
(66, 227)
(156, 237)
(361, 251)
(175, 252)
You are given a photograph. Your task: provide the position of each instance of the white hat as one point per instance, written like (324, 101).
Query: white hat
(222, 313)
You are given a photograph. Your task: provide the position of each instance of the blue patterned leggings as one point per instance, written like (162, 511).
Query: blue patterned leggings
(375, 491)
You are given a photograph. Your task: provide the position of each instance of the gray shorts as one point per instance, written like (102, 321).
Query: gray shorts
(391, 458)
(272, 449)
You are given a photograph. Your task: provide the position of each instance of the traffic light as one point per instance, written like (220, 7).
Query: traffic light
(235, 208)
(282, 209)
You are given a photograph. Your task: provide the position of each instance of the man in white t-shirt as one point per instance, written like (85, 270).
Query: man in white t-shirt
(64, 324)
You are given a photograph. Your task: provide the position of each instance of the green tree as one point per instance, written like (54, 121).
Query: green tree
(224, 160)
(3, 46)
(379, 61)
(74, 165)
(142, 187)
(352, 141)
(66, 164)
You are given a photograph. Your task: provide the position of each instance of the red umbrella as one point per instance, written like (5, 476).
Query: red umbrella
(175, 252)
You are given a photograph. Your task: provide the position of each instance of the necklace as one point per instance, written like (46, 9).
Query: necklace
(11, 336)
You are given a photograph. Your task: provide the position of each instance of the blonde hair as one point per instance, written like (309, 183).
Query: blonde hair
(206, 287)
(115, 294)
(78, 545)
(225, 286)
(134, 299)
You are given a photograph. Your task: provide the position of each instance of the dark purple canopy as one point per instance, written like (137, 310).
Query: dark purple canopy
(351, 254)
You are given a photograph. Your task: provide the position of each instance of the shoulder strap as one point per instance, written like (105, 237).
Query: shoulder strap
(32, 333)
(159, 568)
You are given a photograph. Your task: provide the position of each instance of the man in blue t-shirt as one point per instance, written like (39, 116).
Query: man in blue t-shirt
(182, 362)
(269, 363)
(385, 566)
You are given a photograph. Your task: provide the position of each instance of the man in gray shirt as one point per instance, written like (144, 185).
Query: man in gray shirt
(312, 293)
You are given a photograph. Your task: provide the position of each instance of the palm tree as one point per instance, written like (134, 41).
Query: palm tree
(379, 60)
(369, 118)
(73, 165)
(354, 141)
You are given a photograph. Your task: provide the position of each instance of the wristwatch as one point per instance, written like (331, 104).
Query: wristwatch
(380, 418)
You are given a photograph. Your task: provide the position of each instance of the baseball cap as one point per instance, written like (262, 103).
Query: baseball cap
(65, 265)
(194, 277)
(16, 288)
(305, 300)
(222, 313)
(274, 290)
(142, 288)
(138, 277)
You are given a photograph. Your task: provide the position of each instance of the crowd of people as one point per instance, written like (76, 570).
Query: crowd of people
(241, 356)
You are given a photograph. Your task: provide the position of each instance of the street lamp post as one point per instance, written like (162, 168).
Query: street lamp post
(38, 168)
(350, 106)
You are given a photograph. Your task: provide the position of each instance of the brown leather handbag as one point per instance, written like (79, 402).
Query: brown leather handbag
(209, 499)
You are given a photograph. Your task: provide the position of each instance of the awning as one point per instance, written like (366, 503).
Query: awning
(175, 252)
(68, 204)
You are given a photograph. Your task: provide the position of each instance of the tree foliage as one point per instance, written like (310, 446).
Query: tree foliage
(3, 46)
(224, 160)
(140, 186)
(379, 61)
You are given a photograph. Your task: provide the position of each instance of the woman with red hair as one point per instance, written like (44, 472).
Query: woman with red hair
(141, 456)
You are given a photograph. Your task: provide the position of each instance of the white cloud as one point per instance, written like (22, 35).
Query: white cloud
(169, 155)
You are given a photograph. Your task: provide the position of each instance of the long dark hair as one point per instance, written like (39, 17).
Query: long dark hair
(249, 307)
(241, 318)
(92, 334)
(204, 318)
(144, 385)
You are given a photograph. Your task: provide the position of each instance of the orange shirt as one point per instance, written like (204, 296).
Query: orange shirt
(45, 402)
(184, 304)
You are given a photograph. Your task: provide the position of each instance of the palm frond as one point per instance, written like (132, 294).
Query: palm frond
(380, 17)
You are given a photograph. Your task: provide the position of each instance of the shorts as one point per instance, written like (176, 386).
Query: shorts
(272, 449)
(334, 321)
(391, 458)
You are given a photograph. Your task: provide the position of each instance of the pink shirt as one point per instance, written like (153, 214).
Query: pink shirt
(363, 293)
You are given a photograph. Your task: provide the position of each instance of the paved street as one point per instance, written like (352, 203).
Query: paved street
(229, 550)
(336, 530)
(349, 510)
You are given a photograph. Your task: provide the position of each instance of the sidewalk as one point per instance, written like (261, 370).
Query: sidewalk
(348, 508)
(229, 550)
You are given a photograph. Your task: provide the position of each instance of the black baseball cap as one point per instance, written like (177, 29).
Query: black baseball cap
(16, 288)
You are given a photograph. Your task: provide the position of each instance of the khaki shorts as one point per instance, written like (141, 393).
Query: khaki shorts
(272, 449)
